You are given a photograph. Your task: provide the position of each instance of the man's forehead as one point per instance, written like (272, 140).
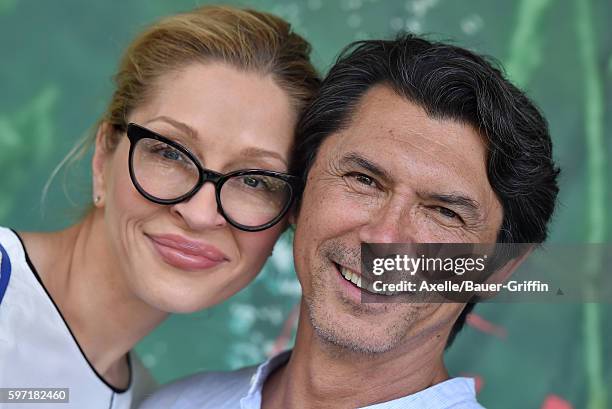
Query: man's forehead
(386, 124)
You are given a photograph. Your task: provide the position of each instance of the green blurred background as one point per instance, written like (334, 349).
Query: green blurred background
(57, 61)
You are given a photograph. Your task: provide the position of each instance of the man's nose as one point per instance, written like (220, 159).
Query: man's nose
(200, 211)
(388, 224)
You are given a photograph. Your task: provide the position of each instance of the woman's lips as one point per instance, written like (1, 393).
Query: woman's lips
(187, 254)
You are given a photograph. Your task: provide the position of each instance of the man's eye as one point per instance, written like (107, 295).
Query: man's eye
(447, 213)
(363, 179)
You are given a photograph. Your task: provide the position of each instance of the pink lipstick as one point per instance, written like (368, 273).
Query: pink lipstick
(186, 254)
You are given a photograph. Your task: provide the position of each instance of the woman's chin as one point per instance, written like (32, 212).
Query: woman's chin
(173, 300)
(183, 305)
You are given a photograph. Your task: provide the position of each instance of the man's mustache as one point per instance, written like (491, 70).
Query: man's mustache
(342, 253)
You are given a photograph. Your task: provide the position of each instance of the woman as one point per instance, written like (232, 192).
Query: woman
(190, 193)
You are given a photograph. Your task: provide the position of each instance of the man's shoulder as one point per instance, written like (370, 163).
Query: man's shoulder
(466, 405)
(204, 390)
(453, 393)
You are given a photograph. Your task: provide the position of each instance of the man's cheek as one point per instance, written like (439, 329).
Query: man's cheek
(348, 208)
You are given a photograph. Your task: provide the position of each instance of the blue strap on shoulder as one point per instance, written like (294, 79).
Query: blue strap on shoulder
(5, 272)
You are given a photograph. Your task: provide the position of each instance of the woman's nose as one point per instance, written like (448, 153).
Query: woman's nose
(201, 211)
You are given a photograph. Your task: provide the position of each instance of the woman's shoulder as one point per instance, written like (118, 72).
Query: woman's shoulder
(8, 247)
(9, 240)
(38, 251)
(11, 253)
(15, 266)
(33, 252)
(18, 268)
(15, 243)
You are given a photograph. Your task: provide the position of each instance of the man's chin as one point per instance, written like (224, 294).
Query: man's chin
(351, 341)
(366, 335)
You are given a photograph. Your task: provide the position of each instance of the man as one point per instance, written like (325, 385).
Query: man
(409, 141)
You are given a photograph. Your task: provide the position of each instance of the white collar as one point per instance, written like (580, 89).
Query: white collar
(442, 395)
(253, 397)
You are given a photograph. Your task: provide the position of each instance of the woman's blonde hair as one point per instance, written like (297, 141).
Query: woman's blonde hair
(245, 39)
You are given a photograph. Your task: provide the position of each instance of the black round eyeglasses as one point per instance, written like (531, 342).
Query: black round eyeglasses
(167, 173)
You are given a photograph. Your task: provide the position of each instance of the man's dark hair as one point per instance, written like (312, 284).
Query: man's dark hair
(448, 82)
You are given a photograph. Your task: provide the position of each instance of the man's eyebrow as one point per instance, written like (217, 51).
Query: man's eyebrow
(255, 152)
(189, 131)
(457, 199)
(356, 159)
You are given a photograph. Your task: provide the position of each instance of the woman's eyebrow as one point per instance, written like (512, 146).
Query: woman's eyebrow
(255, 152)
(189, 131)
(250, 152)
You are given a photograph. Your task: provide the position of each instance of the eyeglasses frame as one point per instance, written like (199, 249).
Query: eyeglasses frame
(137, 132)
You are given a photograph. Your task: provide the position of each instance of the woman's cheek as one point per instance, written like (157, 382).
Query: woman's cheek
(125, 200)
(256, 247)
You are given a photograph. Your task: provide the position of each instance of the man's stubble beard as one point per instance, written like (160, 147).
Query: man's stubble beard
(326, 319)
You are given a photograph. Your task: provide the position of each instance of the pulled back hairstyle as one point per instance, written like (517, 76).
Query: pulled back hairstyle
(245, 39)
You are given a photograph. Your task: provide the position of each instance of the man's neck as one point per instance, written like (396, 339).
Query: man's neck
(319, 375)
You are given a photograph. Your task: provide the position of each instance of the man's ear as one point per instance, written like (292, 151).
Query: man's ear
(503, 273)
(99, 161)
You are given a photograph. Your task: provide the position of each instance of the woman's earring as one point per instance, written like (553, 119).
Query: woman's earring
(97, 199)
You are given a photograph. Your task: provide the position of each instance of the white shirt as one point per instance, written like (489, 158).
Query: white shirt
(37, 348)
(242, 389)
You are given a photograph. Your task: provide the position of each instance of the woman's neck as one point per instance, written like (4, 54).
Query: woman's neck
(81, 272)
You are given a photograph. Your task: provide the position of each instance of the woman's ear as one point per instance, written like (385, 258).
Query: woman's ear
(98, 163)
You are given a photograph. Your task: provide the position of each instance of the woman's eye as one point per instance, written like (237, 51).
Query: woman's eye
(167, 152)
(251, 181)
(171, 154)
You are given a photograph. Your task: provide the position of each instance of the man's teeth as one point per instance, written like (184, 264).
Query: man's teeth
(350, 276)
